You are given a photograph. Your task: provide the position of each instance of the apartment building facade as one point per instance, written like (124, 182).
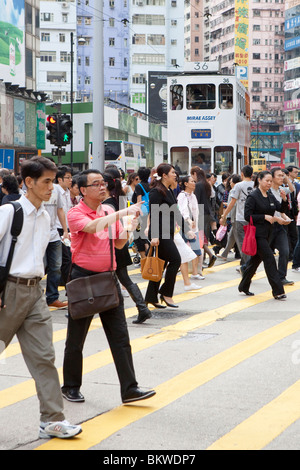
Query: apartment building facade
(291, 151)
(263, 26)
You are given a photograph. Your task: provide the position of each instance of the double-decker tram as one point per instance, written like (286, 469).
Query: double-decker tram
(208, 122)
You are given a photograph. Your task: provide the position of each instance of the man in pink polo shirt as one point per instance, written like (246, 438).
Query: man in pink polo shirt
(90, 248)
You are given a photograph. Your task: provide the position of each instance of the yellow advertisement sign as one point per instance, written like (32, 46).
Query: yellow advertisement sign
(241, 41)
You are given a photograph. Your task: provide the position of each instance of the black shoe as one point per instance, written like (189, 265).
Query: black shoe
(156, 305)
(142, 316)
(73, 394)
(136, 394)
(162, 299)
(285, 282)
(246, 292)
(212, 261)
(280, 297)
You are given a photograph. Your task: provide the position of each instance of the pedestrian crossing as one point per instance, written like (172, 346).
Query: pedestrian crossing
(97, 429)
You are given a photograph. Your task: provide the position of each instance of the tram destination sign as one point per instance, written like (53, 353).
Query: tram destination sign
(201, 133)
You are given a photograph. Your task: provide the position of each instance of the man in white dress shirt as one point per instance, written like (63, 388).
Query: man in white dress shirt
(26, 313)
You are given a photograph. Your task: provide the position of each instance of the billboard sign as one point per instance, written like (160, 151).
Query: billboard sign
(12, 41)
(241, 41)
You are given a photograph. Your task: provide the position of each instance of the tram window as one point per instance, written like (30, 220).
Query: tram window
(202, 96)
(180, 159)
(176, 93)
(223, 160)
(202, 157)
(226, 96)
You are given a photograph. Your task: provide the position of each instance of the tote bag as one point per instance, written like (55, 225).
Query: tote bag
(249, 246)
(152, 266)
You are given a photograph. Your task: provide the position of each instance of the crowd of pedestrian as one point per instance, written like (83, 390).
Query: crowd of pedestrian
(180, 216)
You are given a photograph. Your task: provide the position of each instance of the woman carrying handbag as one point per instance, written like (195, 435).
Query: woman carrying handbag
(164, 214)
(261, 206)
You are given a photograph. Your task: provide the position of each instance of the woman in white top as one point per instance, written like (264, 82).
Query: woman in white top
(188, 206)
(132, 181)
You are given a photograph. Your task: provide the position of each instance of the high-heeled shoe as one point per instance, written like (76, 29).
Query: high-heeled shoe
(246, 292)
(162, 299)
(156, 305)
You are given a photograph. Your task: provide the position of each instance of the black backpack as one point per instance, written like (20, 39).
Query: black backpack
(15, 231)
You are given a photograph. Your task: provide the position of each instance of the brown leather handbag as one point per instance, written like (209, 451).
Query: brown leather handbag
(93, 294)
(152, 266)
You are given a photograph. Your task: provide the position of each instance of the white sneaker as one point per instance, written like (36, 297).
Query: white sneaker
(197, 276)
(296, 270)
(59, 429)
(192, 287)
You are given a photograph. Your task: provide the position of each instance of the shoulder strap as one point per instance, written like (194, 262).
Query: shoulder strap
(143, 189)
(15, 230)
(111, 246)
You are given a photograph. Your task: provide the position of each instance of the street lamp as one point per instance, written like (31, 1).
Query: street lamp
(81, 41)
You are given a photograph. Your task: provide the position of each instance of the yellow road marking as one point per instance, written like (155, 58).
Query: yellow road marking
(101, 427)
(26, 389)
(60, 335)
(265, 425)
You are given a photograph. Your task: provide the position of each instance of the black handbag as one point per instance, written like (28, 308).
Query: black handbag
(15, 231)
(94, 293)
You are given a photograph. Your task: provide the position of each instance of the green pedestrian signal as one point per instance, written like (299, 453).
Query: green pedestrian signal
(65, 129)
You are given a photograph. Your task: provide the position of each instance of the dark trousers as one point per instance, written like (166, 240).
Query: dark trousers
(265, 254)
(296, 255)
(66, 261)
(167, 251)
(279, 240)
(115, 328)
(292, 236)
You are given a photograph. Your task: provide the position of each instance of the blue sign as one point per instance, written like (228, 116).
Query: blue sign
(201, 133)
(292, 23)
(292, 43)
(7, 158)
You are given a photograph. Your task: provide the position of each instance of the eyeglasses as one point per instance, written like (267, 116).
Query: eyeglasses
(97, 185)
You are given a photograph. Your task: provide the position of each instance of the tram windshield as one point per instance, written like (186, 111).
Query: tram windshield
(223, 160)
(201, 157)
(180, 159)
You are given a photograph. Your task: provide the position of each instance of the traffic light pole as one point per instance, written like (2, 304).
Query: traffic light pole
(72, 55)
(98, 95)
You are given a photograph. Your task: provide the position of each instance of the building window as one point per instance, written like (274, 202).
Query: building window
(111, 61)
(62, 37)
(65, 56)
(45, 37)
(49, 56)
(111, 41)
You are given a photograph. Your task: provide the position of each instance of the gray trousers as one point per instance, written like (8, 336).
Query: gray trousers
(239, 237)
(27, 315)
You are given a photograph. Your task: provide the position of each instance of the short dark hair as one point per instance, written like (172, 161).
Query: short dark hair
(144, 173)
(10, 183)
(273, 170)
(247, 171)
(291, 167)
(36, 166)
(82, 177)
(61, 172)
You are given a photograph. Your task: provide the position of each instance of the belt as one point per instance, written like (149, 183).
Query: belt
(22, 280)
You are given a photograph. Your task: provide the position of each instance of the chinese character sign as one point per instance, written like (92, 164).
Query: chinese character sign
(241, 42)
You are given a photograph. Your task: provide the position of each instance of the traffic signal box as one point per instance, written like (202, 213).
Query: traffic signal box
(60, 129)
(52, 126)
(65, 129)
